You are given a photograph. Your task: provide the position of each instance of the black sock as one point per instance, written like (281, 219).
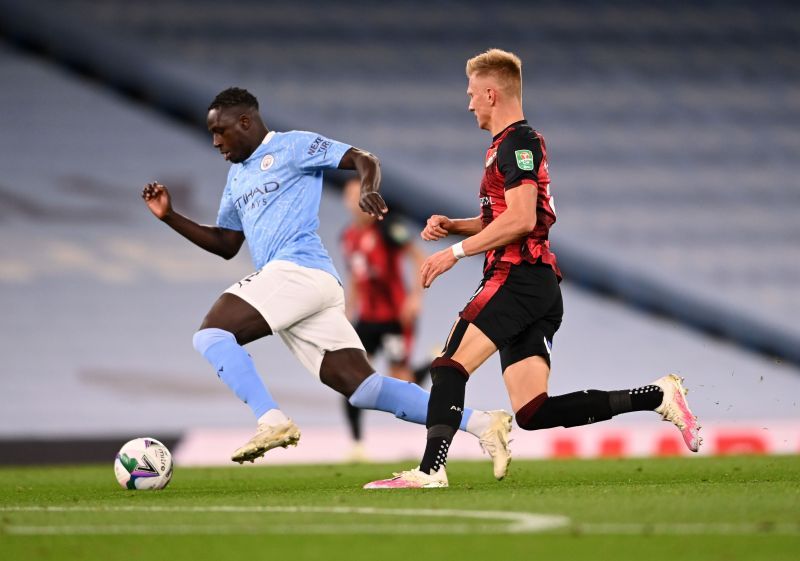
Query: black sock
(445, 409)
(568, 410)
(353, 419)
(586, 407)
(439, 439)
(645, 398)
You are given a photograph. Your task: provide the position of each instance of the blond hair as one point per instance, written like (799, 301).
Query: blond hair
(503, 65)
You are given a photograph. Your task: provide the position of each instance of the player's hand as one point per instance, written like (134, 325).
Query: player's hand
(438, 263)
(158, 200)
(373, 204)
(436, 228)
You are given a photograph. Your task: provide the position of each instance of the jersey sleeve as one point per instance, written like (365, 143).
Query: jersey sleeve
(228, 215)
(314, 152)
(519, 157)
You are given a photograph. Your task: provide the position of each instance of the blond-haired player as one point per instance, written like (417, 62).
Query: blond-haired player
(517, 307)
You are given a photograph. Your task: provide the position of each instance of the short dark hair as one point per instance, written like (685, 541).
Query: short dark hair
(234, 97)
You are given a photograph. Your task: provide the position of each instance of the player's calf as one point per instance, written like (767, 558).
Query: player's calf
(586, 407)
(665, 396)
(235, 368)
(344, 370)
(570, 410)
(445, 409)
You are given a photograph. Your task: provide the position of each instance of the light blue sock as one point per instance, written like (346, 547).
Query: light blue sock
(464, 418)
(405, 400)
(234, 367)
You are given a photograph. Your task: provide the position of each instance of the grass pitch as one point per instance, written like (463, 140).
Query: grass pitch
(699, 508)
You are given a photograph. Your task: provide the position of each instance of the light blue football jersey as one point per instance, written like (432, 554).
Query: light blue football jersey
(274, 195)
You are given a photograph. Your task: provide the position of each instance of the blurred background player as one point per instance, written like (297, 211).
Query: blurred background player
(379, 304)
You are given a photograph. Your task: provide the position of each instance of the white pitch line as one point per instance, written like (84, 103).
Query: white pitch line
(689, 528)
(273, 529)
(405, 529)
(518, 522)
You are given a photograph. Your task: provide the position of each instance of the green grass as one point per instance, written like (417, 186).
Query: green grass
(699, 508)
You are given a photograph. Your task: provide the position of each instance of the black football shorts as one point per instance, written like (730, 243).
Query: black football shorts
(388, 337)
(519, 308)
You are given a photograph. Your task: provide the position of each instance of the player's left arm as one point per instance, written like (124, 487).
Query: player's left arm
(368, 168)
(518, 220)
(518, 159)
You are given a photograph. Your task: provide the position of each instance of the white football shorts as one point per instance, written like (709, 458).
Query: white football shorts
(304, 306)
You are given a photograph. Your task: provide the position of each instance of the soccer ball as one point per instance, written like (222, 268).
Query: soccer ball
(143, 463)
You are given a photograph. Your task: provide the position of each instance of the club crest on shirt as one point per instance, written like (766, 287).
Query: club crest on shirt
(266, 162)
(491, 158)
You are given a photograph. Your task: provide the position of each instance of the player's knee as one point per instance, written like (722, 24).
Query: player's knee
(445, 364)
(528, 415)
(204, 339)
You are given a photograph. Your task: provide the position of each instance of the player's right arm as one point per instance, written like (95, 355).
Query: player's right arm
(219, 241)
(439, 227)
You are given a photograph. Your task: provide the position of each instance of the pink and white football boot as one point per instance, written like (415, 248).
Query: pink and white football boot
(674, 409)
(412, 479)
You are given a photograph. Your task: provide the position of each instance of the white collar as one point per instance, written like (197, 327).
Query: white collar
(267, 138)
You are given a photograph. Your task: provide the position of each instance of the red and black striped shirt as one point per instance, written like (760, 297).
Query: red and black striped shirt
(374, 259)
(518, 155)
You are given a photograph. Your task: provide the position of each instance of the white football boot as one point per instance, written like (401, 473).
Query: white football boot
(494, 441)
(674, 409)
(267, 438)
(412, 479)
